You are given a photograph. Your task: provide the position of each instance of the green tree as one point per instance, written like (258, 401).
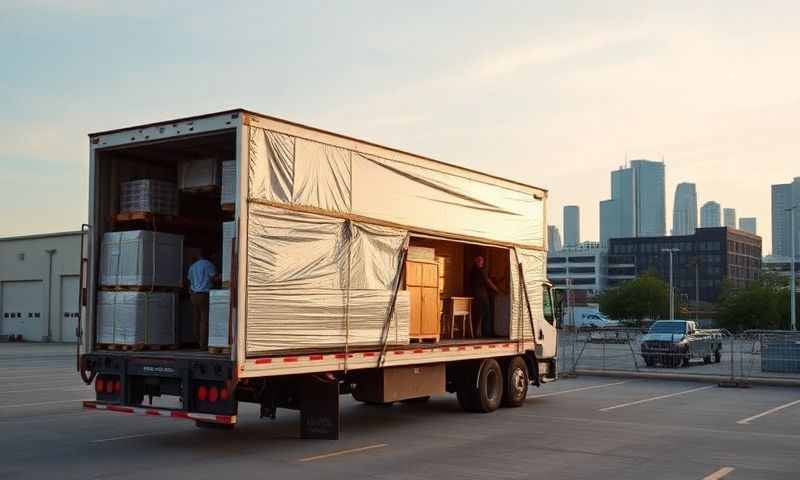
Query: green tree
(644, 297)
(763, 304)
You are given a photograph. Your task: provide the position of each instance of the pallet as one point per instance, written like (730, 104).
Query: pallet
(428, 339)
(205, 189)
(139, 288)
(219, 350)
(163, 222)
(138, 347)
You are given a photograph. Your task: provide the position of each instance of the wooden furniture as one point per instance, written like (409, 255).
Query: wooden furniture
(422, 283)
(460, 308)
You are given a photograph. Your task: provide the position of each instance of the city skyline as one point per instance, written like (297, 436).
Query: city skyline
(718, 91)
(684, 210)
(637, 206)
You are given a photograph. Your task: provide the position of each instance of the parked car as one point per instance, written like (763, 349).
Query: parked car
(676, 342)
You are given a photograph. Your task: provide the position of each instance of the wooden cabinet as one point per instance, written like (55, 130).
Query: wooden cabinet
(422, 283)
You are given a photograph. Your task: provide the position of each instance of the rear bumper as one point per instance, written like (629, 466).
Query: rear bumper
(162, 412)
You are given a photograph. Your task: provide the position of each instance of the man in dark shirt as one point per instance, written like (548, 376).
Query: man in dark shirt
(482, 287)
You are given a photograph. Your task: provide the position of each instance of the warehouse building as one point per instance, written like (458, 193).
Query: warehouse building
(39, 277)
(702, 261)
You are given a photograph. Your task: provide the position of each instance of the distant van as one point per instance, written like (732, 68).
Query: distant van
(587, 317)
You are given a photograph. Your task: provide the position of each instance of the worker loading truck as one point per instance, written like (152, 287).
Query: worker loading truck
(344, 267)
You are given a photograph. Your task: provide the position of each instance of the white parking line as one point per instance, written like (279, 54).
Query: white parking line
(653, 399)
(62, 389)
(342, 452)
(746, 421)
(577, 389)
(125, 437)
(719, 473)
(76, 401)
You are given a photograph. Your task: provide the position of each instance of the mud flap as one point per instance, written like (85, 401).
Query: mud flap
(319, 409)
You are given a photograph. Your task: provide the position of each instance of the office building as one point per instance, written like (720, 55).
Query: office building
(710, 216)
(785, 196)
(581, 268)
(782, 266)
(730, 217)
(684, 211)
(748, 224)
(713, 255)
(637, 205)
(572, 225)
(553, 239)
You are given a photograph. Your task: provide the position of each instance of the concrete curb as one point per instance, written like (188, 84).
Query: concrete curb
(783, 382)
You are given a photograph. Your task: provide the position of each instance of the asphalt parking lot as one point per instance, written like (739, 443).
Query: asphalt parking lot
(588, 427)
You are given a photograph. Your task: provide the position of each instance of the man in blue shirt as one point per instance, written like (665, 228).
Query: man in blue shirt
(201, 276)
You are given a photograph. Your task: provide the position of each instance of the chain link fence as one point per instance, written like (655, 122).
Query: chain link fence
(756, 354)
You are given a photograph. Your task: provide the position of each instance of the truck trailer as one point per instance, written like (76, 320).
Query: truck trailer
(348, 272)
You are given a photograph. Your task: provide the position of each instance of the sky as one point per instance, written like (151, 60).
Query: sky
(555, 94)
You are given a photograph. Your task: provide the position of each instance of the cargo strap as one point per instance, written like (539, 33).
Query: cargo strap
(401, 267)
(527, 299)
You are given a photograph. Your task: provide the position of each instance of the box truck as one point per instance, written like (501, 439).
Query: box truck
(350, 270)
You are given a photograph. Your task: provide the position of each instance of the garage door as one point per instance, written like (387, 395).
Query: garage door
(23, 310)
(69, 307)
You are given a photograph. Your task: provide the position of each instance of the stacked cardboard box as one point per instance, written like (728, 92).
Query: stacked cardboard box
(219, 307)
(199, 173)
(228, 195)
(141, 258)
(136, 318)
(228, 234)
(149, 195)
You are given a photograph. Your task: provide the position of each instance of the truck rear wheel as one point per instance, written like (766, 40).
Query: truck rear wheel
(481, 389)
(516, 382)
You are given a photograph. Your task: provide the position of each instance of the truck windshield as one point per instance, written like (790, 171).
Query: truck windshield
(668, 327)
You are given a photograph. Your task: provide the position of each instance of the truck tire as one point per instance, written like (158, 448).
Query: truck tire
(687, 360)
(707, 359)
(516, 383)
(481, 388)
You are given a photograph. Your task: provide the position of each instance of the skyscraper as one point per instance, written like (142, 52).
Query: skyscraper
(729, 215)
(784, 196)
(553, 239)
(636, 207)
(572, 225)
(710, 215)
(748, 224)
(684, 211)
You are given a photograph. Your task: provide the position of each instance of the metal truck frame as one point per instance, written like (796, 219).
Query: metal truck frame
(485, 373)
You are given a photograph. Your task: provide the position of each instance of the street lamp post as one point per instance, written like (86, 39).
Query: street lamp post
(671, 290)
(792, 292)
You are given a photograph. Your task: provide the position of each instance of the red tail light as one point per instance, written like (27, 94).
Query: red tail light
(117, 386)
(110, 386)
(223, 394)
(202, 392)
(213, 394)
(99, 385)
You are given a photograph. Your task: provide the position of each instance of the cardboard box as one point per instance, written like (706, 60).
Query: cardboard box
(141, 258)
(136, 318)
(149, 195)
(228, 195)
(228, 234)
(199, 173)
(219, 308)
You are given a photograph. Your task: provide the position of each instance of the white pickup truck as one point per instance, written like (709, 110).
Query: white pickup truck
(673, 343)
